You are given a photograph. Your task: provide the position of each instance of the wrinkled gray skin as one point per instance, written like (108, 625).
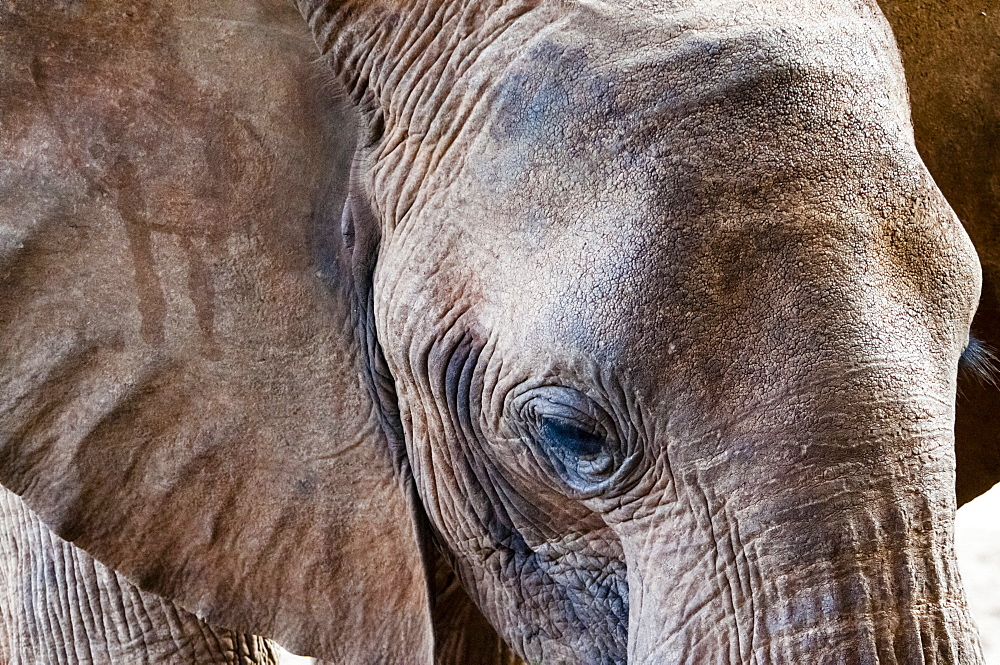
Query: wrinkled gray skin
(647, 315)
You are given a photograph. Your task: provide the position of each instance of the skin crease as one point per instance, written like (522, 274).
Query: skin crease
(648, 314)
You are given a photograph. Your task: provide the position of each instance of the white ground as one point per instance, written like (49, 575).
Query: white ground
(977, 539)
(289, 659)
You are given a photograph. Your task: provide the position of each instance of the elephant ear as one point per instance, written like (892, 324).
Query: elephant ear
(182, 387)
(951, 54)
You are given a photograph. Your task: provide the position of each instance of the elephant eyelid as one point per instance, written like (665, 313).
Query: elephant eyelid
(571, 436)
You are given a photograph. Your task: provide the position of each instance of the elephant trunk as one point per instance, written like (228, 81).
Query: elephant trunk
(852, 563)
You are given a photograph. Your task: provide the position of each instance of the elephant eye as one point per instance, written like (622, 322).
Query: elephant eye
(570, 437)
(573, 436)
(978, 363)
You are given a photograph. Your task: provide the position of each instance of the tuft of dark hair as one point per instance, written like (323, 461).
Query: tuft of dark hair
(979, 364)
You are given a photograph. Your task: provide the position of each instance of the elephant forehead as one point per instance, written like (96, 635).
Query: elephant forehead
(647, 153)
(643, 139)
(683, 177)
(593, 91)
(593, 101)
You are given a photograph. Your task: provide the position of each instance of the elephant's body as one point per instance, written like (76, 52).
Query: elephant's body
(60, 607)
(637, 323)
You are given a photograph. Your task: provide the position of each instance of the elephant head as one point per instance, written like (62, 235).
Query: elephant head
(646, 316)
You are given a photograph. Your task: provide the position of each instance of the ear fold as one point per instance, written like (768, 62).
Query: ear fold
(59, 606)
(955, 118)
(463, 635)
(181, 385)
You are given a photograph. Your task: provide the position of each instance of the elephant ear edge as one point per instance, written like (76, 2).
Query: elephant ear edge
(951, 55)
(182, 389)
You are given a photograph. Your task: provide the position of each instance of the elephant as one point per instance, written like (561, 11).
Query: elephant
(619, 332)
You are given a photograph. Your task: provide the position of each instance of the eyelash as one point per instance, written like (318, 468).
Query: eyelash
(978, 363)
